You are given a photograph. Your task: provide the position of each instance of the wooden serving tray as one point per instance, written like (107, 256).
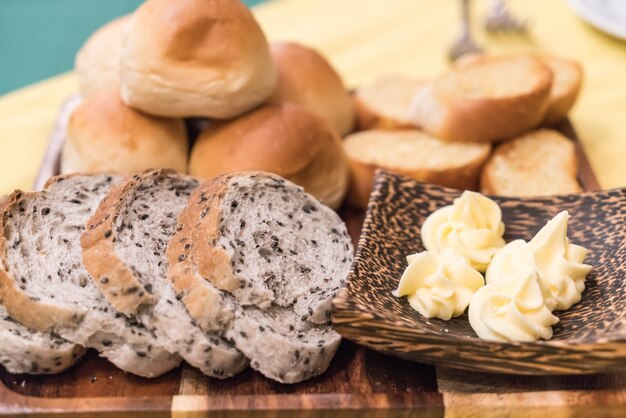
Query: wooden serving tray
(359, 382)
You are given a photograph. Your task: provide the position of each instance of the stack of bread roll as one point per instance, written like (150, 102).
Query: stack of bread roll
(280, 108)
(442, 131)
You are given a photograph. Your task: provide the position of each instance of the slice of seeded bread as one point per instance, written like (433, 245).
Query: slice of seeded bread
(124, 251)
(45, 287)
(279, 254)
(23, 350)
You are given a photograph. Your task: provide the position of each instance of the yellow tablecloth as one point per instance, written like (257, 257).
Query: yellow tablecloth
(364, 38)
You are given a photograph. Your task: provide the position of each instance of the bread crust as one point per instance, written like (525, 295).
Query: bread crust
(190, 267)
(453, 116)
(33, 314)
(561, 101)
(99, 255)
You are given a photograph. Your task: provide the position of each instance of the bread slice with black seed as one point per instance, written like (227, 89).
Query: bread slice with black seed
(281, 256)
(44, 285)
(23, 350)
(124, 251)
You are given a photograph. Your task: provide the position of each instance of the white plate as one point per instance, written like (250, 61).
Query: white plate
(606, 15)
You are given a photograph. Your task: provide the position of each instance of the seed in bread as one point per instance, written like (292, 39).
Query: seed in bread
(412, 153)
(386, 103)
(188, 58)
(104, 134)
(98, 60)
(44, 285)
(567, 80)
(307, 79)
(284, 139)
(485, 99)
(278, 254)
(125, 242)
(539, 163)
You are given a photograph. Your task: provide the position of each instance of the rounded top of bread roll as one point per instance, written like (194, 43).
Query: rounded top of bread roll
(196, 58)
(103, 134)
(98, 60)
(283, 139)
(307, 79)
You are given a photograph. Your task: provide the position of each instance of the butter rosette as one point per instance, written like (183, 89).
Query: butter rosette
(513, 309)
(472, 226)
(439, 285)
(558, 263)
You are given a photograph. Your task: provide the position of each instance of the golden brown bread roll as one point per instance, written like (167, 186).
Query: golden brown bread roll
(98, 60)
(103, 134)
(196, 58)
(485, 99)
(412, 153)
(307, 79)
(283, 139)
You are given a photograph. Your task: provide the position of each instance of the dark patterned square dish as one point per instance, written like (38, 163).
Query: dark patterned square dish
(590, 337)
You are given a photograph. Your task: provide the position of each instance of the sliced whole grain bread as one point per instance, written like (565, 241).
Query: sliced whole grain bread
(124, 251)
(279, 254)
(23, 350)
(45, 287)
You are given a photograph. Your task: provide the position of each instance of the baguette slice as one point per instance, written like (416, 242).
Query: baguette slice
(414, 154)
(539, 163)
(485, 99)
(568, 78)
(44, 285)
(386, 103)
(125, 243)
(279, 256)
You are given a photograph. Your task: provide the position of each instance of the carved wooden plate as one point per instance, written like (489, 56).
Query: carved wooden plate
(590, 337)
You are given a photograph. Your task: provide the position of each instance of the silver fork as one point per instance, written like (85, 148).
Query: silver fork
(500, 19)
(465, 43)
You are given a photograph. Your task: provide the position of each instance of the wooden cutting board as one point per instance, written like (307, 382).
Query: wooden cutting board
(359, 383)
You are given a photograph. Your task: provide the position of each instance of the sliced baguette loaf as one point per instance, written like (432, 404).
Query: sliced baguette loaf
(485, 99)
(386, 103)
(414, 154)
(44, 285)
(280, 255)
(539, 163)
(567, 80)
(124, 251)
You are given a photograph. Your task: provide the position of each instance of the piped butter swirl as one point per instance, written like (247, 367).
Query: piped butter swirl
(558, 263)
(472, 226)
(513, 309)
(439, 285)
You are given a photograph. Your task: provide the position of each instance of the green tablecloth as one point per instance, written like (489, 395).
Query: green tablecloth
(38, 38)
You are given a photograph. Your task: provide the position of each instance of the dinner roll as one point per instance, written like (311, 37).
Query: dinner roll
(284, 139)
(196, 58)
(307, 79)
(485, 99)
(103, 134)
(98, 60)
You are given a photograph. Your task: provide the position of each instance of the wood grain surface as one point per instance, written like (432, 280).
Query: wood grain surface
(359, 383)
